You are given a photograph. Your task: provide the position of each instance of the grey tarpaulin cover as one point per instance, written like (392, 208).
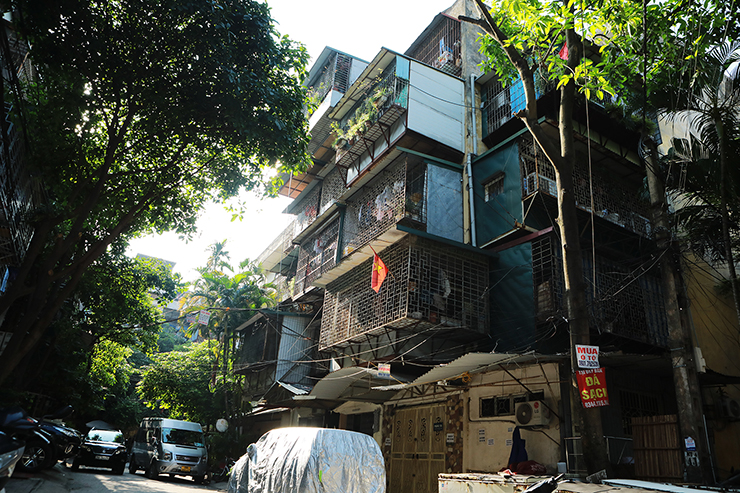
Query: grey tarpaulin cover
(310, 460)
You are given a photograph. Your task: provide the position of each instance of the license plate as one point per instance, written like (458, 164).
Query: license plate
(185, 468)
(101, 457)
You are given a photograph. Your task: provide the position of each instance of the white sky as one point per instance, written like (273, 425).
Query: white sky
(360, 29)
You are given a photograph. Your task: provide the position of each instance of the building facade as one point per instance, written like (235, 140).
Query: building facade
(460, 360)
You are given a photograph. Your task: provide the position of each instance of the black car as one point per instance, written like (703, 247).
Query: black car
(102, 448)
(66, 440)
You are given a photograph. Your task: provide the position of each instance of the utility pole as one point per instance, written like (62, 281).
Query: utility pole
(685, 376)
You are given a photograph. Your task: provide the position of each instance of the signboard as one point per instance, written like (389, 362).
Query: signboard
(587, 356)
(384, 370)
(450, 438)
(203, 317)
(592, 387)
(190, 318)
(481, 435)
(439, 426)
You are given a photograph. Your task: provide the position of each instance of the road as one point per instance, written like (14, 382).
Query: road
(60, 479)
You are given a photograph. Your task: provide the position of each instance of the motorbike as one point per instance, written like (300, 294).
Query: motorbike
(222, 470)
(39, 448)
(11, 451)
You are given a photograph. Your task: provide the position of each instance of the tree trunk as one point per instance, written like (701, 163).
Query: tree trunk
(562, 157)
(685, 377)
(723, 180)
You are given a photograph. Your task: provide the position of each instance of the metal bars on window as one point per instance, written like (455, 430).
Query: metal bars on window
(441, 47)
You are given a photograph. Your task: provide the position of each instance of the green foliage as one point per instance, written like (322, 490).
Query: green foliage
(365, 115)
(109, 364)
(143, 110)
(181, 384)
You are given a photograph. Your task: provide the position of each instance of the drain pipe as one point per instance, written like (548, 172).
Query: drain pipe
(474, 132)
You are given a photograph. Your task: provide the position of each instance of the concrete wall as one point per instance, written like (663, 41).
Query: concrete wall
(488, 441)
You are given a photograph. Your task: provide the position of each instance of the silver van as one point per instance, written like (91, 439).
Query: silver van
(169, 446)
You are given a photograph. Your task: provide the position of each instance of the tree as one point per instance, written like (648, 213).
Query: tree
(182, 383)
(231, 299)
(588, 50)
(143, 110)
(709, 102)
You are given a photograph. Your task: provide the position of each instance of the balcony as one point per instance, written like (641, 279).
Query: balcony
(328, 80)
(431, 287)
(615, 199)
(410, 192)
(620, 303)
(390, 100)
(279, 255)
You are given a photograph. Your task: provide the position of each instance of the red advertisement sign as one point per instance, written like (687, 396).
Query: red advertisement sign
(592, 386)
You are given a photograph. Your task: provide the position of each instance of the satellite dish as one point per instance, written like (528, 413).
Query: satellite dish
(222, 425)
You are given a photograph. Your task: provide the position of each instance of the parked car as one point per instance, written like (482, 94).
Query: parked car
(102, 448)
(66, 440)
(169, 446)
(11, 451)
(310, 460)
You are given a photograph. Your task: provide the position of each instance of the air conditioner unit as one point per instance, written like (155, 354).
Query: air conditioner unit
(730, 408)
(532, 413)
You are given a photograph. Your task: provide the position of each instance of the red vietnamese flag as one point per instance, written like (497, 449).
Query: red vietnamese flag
(379, 272)
(563, 54)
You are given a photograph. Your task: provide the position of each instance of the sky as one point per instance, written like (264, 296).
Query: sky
(357, 28)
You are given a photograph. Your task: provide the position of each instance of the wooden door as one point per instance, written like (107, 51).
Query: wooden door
(417, 449)
(657, 448)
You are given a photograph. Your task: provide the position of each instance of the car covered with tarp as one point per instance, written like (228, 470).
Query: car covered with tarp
(310, 460)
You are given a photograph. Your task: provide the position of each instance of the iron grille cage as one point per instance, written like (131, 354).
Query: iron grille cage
(318, 254)
(429, 286)
(496, 107)
(332, 188)
(441, 47)
(416, 190)
(308, 209)
(501, 101)
(334, 76)
(19, 195)
(376, 208)
(341, 75)
(318, 91)
(619, 303)
(614, 199)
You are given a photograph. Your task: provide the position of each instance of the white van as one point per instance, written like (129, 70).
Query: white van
(169, 446)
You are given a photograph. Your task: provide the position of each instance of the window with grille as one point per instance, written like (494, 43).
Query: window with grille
(635, 405)
(494, 186)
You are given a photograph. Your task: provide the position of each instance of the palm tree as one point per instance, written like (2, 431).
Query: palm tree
(231, 298)
(710, 104)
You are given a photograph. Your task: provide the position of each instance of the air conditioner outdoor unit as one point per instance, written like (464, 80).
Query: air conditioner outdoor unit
(730, 408)
(532, 413)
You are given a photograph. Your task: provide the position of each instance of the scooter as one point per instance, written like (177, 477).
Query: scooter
(39, 451)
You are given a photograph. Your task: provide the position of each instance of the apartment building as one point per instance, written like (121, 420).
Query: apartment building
(463, 350)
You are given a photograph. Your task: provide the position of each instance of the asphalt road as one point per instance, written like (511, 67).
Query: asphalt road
(60, 479)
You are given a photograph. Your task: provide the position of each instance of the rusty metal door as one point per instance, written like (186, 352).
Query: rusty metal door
(657, 448)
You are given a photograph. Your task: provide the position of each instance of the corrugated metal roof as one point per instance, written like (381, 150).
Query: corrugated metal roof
(337, 382)
(470, 362)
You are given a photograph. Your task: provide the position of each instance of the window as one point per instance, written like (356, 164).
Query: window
(494, 186)
(506, 405)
